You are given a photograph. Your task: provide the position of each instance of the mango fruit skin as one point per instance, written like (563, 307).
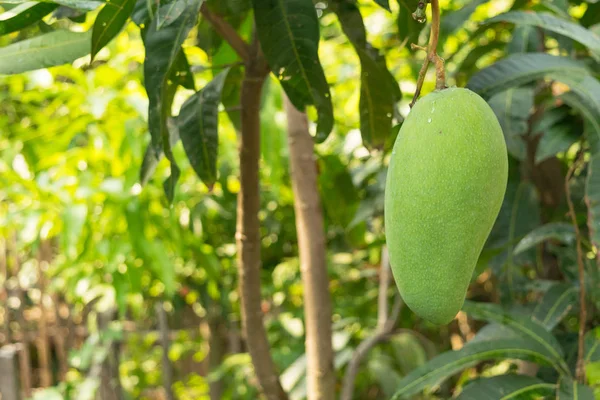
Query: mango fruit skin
(445, 184)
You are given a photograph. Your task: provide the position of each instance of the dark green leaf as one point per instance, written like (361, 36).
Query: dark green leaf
(23, 16)
(385, 4)
(592, 15)
(512, 108)
(517, 387)
(449, 363)
(408, 28)
(379, 91)
(109, 22)
(558, 132)
(524, 326)
(518, 69)
(570, 390)
(560, 231)
(525, 39)
(198, 124)
(151, 158)
(554, 24)
(170, 12)
(555, 305)
(162, 52)
(289, 36)
(48, 50)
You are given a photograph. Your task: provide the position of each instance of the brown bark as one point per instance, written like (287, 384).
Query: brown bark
(4, 294)
(248, 233)
(313, 264)
(44, 257)
(14, 265)
(217, 347)
(167, 367)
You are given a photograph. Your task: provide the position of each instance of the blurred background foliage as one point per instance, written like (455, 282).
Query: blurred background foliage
(72, 143)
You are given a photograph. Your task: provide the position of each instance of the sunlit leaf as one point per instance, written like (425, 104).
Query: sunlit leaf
(109, 22)
(23, 16)
(289, 37)
(507, 387)
(47, 50)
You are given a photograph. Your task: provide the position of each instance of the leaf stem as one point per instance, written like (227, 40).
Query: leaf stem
(432, 55)
(580, 366)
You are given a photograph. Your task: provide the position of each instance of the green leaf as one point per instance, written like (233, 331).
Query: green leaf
(169, 13)
(82, 5)
(570, 390)
(555, 305)
(592, 15)
(335, 178)
(525, 39)
(558, 133)
(379, 91)
(109, 22)
(289, 36)
(524, 326)
(449, 363)
(518, 69)
(408, 28)
(453, 20)
(517, 387)
(48, 50)
(385, 4)
(151, 158)
(560, 231)
(512, 108)
(554, 24)
(198, 124)
(24, 15)
(592, 346)
(163, 49)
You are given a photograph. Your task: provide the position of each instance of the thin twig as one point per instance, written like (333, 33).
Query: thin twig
(382, 333)
(227, 32)
(432, 55)
(384, 284)
(580, 368)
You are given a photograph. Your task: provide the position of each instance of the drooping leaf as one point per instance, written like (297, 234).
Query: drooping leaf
(47, 50)
(449, 363)
(289, 37)
(379, 91)
(151, 157)
(522, 324)
(558, 131)
(162, 51)
(571, 390)
(198, 123)
(555, 305)
(555, 24)
(507, 387)
(23, 16)
(518, 69)
(512, 108)
(408, 28)
(560, 231)
(109, 22)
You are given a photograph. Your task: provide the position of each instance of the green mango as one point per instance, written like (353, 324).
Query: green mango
(445, 184)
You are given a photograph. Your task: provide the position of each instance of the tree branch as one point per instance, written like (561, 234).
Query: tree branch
(381, 334)
(227, 32)
(432, 55)
(580, 366)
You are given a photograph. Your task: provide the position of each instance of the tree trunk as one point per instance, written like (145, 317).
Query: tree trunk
(313, 264)
(9, 373)
(217, 346)
(248, 233)
(43, 343)
(167, 367)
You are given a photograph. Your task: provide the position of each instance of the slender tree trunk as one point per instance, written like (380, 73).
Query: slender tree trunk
(44, 257)
(248, 233)
(110, 380)
(313, 264)
(4, 293)
(217, 348)
(167, 367)
(12, 253)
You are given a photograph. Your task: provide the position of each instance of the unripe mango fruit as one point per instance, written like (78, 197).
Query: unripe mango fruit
(445, 184)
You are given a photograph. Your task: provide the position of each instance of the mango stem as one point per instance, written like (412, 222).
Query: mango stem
(432, 55)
